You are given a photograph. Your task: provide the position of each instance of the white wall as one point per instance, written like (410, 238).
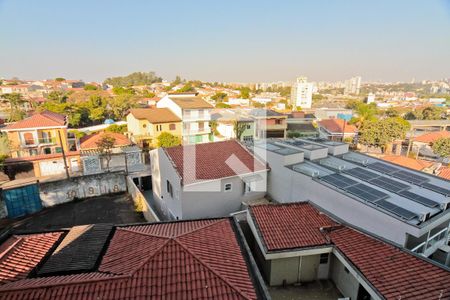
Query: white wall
(166, 102)
(345, 282)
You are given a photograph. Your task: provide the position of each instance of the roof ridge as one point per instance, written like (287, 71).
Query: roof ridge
(150, 257)
(143, 233)
(243, 294)
(202, 227)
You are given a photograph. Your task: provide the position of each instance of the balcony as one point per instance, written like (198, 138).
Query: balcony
(435, 241)
(205, 130)
(38, 142)
(192, 117)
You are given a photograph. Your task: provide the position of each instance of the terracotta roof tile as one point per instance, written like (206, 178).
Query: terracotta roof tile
(213, 161)
(155, 115)
(337, 126)
(432, 136)
(444, 172)
(43, 119)
(415, 164)
(155, 261)
(190, 102)
(90, 141)
(290, 226)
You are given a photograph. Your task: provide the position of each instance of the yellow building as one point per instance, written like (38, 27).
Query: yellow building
(41, 139)
(146, 124)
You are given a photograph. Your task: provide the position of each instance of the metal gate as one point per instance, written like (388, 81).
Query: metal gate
(22, 200)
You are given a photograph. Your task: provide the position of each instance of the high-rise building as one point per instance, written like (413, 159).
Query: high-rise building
(352, 85)
(301, 93)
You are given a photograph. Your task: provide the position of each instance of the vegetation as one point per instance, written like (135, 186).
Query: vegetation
(239, 128)
(90, 87)
(442, 147)
(428, 113)
(15, 101)
(245, 92)
(222, 105)
(186, 88)
(391, 113)
(382, 133)
(213, 125)
(166, 139)
(105, 146)
(219, 97)
(293, 134)
(60, 79)
(136, 78)
(364, 113)
(117, 128)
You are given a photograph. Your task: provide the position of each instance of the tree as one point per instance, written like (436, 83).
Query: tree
(381, 133)
(117, 128)
(147, 94)
(57, 96)
(442, 147)
(352, 104)
(186, 88)
(391, 113)
(239, 128)
(90, 87)
(166, 139)
(245, 92)
(432, 113)
(364, 112)
(59, 79)
(15, 101)
(105, 146)
(222, 105)
(213, 125)
(413, 115)
(136, 78)
(123, 91)
(219, 97)
(177, 80)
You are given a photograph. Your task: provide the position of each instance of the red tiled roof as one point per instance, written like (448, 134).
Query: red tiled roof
(431, 137)
(396, 274)
(415, 164)
(213, 161)
(20, 254)
(444, 172)
(295, 225)
(393, 272)
(90, 141)
(181, 260)
(42, 156)
(43, 119)
(337, 126)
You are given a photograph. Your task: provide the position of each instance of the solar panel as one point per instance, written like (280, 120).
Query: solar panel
(383, 168)
(397, 210)
(362, 173)
(366, 192)
(410, 177)
(389, 184)
(339, 181)
(436, 189)
(419, 199)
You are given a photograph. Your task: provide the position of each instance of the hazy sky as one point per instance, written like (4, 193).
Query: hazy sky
(227, 40)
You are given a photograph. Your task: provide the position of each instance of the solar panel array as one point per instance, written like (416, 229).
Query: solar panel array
(390, 184)
(366, 192)
(339, 181)
(419, 199)
(397, 210)
(383, 168)
(410, 177)
(436, 189)
(362, 173)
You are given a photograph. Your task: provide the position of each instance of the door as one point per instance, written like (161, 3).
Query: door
(308, 268)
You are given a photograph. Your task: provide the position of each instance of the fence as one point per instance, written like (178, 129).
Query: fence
(140, 202)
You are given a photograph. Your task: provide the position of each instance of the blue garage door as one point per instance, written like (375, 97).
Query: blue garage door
(22, 201)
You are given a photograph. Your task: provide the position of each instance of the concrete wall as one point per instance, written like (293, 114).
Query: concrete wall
(168, 103)
(61, 191)
(294, 269)
(345, 281)
(209, 199)
(140, 202)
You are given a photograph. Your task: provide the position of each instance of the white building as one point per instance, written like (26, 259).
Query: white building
(406, 207)
(205, 180)
(370, 98)
(194, 112)
(301, 93)
(352, 86)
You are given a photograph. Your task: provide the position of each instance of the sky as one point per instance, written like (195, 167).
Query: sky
(227, 41)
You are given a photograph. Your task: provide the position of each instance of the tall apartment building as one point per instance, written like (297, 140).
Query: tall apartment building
(352, 85)
(301, 93)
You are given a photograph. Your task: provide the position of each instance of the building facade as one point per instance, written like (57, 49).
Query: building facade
(301, 93)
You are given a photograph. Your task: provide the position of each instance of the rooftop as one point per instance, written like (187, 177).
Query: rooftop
(393, 272)
(91, 141)
(431, 137)
(39, 120)
(178, 260)
(155, 115)
(337, 126)
(187, 102)
(415, 164)
(261, 112)
(217, 160)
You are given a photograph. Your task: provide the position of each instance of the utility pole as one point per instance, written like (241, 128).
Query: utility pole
(64, 155)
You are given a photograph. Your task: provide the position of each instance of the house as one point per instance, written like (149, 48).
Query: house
(268, 123)
(407, 162)
(201, 259)
(423, 143)
(194, 113)
(146, 124)
(301, 124)
(226, 121)
(406, 207)
(297, 243)
(41, 140)
(205, 180)
(336, 130)
(91, 141)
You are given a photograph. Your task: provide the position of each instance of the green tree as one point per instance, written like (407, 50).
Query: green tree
(117, 128)
(213, 125)
(15, 101)
(57, 96)
(118, 90)
(105, 146)
(222, 105)
(442, 147)
(391, 113)
(382, 133)
(353, 104)
(147, 94)
(219, 97)
(239, 128)
(60, 79)
(413, 115)
(433, 113)
(364, 112)
(186, 88)
(245, 92)
(90, 87)
(166, 139)
(136, 78)
(177, 80)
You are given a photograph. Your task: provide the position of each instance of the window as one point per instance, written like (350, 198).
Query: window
(249, 186)
(172, 126)
(249, 126)
(278, 121)
(169, 188)
(58, 150)
(47, 151)
(324, 258)
(227, 187)
(28, 137)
